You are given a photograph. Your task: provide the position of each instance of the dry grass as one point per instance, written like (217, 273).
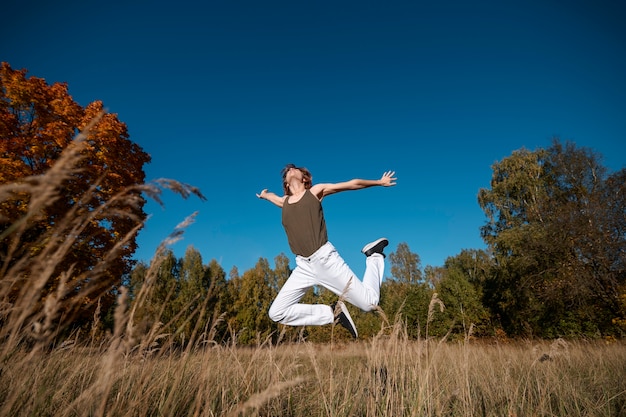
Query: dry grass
(388, 376)
(132, 374)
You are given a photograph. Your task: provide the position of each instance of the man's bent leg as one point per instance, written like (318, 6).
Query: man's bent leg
(335, 275)
(374, 271)
(286, 308)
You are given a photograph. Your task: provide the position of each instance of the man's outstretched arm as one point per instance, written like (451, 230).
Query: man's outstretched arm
(322, 190)
(271, 197)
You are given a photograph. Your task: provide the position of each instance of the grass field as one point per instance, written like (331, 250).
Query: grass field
(386, 376)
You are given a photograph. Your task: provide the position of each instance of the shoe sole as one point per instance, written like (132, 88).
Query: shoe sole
(346, 314)
(376, 246)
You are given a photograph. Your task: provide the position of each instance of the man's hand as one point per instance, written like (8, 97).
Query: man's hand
(271, 197)
(388, 179)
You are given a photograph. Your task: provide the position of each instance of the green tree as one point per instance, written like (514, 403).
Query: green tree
(433, 274)
(137, 278)
(281, 272)
(464, 308)
(218, 302)
(405, 265)
(406, 304)
(192, 295)
(556, 228)
(152, 294)
(253, 295)
(475, 264)
(405, 297)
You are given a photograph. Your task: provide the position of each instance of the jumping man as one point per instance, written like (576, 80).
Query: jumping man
(317, 260)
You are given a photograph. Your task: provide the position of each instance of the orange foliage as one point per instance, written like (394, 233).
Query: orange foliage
(38, 121)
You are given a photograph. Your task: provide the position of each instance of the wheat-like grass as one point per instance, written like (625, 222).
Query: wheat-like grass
(386, 376)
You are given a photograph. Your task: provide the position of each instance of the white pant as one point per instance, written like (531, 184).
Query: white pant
(328, 269)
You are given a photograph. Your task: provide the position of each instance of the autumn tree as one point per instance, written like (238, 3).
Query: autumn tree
(556, 229)
(37, 123)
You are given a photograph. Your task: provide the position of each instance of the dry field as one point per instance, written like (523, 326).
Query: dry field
(386, 376)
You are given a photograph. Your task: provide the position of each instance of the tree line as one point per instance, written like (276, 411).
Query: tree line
(555, 230)
(555, 265)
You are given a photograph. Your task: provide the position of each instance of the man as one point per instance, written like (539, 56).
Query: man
(317, 260)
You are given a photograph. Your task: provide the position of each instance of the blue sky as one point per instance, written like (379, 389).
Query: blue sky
(222, 94)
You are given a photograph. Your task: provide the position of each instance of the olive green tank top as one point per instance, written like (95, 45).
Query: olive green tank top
(304, 224)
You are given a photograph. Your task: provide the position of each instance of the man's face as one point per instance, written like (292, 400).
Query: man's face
(293, 172)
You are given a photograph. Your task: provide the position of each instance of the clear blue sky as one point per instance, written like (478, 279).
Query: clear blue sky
(222, 94)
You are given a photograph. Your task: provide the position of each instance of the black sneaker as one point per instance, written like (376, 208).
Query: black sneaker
(342, 317)
(376, 246)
